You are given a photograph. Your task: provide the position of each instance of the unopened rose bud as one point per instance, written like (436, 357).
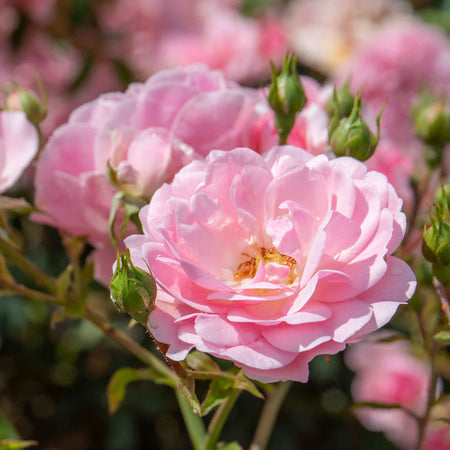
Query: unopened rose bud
(431, 118)
(341, 103)
(133, 290)
(352, 136)
(24, 100)
(442, 197)
(436, 238)
(286, 97)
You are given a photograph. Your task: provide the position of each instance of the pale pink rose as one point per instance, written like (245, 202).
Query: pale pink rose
(146, 134)
(324, 232)
(390, 374)
(19, 143)
(391, 69)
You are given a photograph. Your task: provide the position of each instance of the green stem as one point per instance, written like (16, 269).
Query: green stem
(445, 305)
(13, 254)
(194, 423)
(269, 414)
(218, 421)
(133, 347)
(23, 291)
(430, 402)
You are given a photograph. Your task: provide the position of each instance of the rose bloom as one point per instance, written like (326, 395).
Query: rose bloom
(391, 69)
(270, 261)
(19, 143)
(390, 374)
(146, 135)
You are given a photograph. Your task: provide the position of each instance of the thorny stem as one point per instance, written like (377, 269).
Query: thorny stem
(442, 297)
(133, 347)
(12, 253)
(269, 414)
(218, 421)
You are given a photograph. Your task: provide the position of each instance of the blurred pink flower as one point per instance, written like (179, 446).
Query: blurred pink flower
(19, 143)
(390, 374)
(165, 34)
(270, 261)
(391, 69)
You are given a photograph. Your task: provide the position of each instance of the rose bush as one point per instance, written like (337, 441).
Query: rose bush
(270, 261)
(19, 143)
(146, 135)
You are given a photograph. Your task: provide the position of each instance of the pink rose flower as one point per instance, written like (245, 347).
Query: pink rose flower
(389, 373)
(391, 69)
(270, 261)
(19, 143)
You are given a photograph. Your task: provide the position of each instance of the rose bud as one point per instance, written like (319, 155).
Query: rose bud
(24, 100)
(436, 244)
(341, 103)
(352, 136)
(286, 97)
(133, 290)
(431, 117)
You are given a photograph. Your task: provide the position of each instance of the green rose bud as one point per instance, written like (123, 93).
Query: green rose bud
(24, 100)
(341, 103)
(436, 238)
(133, 290)
(431, 117)
(286, 97)
(352, 136)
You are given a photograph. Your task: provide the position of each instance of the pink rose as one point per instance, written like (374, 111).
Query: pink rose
(390, 374)
(270, 261)
(146, 134)
(19, 143)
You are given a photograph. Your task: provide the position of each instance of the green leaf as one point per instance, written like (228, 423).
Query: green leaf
(443, 337)
(219, 391)
(12, 444)
(201, 361)
(243, 383)
(119, 381)
(7, 430)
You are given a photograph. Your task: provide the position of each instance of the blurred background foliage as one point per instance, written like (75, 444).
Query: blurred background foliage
(53, 376)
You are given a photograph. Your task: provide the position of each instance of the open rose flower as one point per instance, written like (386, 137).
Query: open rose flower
(270, 261)
(19, 143)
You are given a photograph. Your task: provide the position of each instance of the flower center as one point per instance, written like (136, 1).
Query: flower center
(248, 268)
